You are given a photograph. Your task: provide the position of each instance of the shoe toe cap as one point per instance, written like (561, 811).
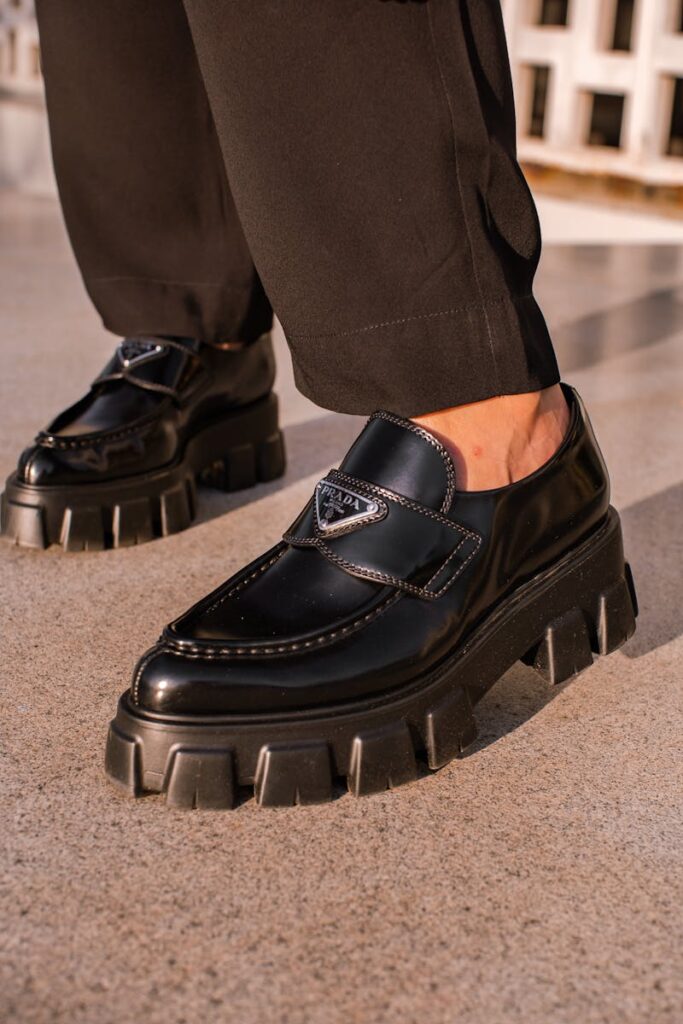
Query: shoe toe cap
(38, 466)
(176, 682)
(160, 682)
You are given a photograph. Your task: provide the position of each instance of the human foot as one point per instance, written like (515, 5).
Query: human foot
(119, 466)
(357, 646)
(501, 440)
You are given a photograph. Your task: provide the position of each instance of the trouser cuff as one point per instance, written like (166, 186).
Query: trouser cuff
(419, 364)
(211, 313)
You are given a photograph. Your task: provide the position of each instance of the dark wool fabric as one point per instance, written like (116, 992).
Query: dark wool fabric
(359, 153)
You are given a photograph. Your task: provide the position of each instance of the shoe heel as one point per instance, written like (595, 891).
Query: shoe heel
(246, 465)
(270, 458)
(565, 649)
(245, 449)
(615, 620)
(600, 618)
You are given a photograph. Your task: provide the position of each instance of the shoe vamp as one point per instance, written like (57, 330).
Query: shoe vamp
(116, 405)
(301, 593)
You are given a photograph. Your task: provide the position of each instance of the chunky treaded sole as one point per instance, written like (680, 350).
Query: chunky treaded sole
(238, 450)
(583, 605)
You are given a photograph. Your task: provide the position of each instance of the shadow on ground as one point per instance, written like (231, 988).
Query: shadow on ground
(636, 324)
(514, 699)
(654, 547)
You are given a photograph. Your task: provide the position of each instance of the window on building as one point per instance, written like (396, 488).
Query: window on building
(607, 116)
(622, 30)
(540, 83)
(675, 145)
(553, 12)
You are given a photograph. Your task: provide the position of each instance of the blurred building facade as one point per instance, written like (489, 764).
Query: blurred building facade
(19, 51)
(599, 87)
(24, 144)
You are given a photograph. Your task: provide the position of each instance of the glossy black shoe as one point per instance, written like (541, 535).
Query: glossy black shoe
(119, 467)
(357, 647)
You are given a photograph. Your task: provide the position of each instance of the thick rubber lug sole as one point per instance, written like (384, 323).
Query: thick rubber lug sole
(238, 450)
(583, 605)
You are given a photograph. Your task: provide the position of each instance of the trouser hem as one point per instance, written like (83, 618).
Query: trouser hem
(210, 312)
(419, 364)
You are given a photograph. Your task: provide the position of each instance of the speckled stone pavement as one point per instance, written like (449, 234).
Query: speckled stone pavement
(536, 881)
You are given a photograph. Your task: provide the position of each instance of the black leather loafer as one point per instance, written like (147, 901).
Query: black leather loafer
(119, 467)
(356, 648)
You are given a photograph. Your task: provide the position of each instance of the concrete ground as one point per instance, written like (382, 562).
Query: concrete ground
(538, 880)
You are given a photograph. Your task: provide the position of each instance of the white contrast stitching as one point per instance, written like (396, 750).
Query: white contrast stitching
(495, 301)
(48, 440)
(287, 647)
(245, 581)
(375, 490)
(435, 443)
(400, 499)
(147, 658)
(381, 577)
(442, 567)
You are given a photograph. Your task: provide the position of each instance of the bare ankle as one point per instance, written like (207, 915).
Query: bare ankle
(501, 440)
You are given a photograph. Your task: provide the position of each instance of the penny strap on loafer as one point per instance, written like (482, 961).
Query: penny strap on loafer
(377, 534)
(154, 364)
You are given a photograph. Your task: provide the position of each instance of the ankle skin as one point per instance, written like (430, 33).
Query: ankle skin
(499, 441)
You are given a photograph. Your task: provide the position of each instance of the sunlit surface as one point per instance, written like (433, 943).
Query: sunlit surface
(534, 881)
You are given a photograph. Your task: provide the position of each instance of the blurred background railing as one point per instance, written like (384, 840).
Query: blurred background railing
(599, 87)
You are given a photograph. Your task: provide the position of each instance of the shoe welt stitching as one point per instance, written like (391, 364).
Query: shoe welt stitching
(214, 653)
(246, 581)
(211, 652)
(288, 647)
(147, 658)
(48, 440)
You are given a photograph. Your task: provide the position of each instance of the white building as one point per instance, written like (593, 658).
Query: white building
(24, 143)
(19, 52)
(599, 86)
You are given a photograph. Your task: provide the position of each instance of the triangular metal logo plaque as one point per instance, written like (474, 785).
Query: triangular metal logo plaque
(133, 351)
(338, 507)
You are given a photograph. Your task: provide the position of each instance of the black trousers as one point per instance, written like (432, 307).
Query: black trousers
(356, 156)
